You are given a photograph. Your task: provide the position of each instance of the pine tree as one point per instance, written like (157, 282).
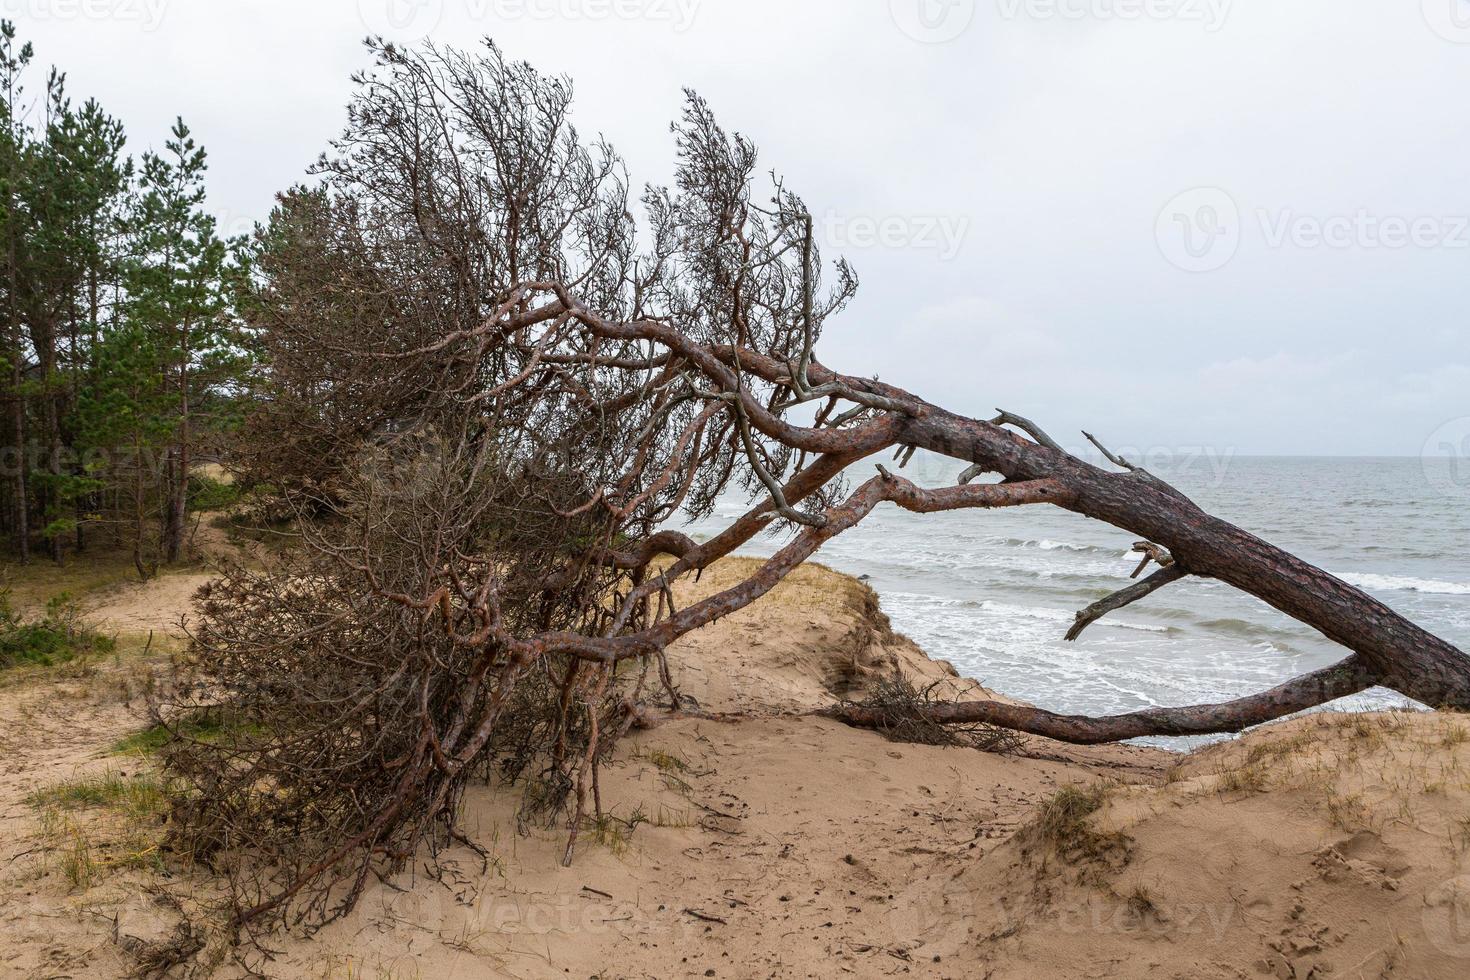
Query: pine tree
(76, 180)
(118, 349)
(14, 141)
(127, 413)
(177, 296)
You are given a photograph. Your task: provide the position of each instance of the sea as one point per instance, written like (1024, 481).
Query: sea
(994, 592)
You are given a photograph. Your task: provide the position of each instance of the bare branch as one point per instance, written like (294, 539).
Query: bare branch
(1027, 426)
(1110, 456)
(1124, 597)
(985, 495)
(1151, 552)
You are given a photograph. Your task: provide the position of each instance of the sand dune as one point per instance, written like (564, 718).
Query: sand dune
(790, 846)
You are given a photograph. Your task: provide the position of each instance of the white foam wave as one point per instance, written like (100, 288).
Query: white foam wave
(1405, 583)
(1062, 615)
(1046, 544)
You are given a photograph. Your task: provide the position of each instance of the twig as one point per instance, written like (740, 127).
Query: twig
(1110, 456)
(1124, 597)
(1027, 426)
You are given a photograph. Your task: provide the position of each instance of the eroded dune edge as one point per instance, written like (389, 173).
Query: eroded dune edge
(785, 845)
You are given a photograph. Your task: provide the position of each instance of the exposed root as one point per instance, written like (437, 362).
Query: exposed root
(1299, 694)
(901, 712)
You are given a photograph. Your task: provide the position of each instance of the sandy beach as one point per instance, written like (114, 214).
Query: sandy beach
(785, 845)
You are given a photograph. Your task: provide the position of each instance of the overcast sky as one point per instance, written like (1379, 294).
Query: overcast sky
(1179, 223)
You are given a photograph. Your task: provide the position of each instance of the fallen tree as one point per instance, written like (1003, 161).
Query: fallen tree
(488, 395)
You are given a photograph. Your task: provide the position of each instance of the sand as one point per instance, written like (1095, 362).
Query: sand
(787, 846)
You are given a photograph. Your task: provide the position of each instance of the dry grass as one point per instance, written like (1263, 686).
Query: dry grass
(1253, 777)
(1141, 903)
(664, 761)
(101, 823)
(213, 725)
(611, 832)
(1348, 812)
(668, 817)
(129, 671)
(1355, 772)
(1064, 825)
(34, 585)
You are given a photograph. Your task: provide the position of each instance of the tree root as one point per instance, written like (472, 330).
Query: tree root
(1307, 691)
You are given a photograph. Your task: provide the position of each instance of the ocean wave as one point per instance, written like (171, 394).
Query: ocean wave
(1047, 544)
(1240, 627)
(916, 598)
(905, 601)
(1405, 583)
(1063, 615)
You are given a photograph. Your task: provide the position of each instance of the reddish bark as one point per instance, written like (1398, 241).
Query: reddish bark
(1298, 694)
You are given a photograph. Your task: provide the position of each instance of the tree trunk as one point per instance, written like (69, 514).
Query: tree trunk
(51, 417)
(139, 520)
(178, 501)
(1403, 656)
(1391, 650)
(22, 497)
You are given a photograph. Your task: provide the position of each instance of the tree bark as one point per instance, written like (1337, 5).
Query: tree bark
(1402, 655)
(18, 432)
(178, 500)
(1298, 694)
